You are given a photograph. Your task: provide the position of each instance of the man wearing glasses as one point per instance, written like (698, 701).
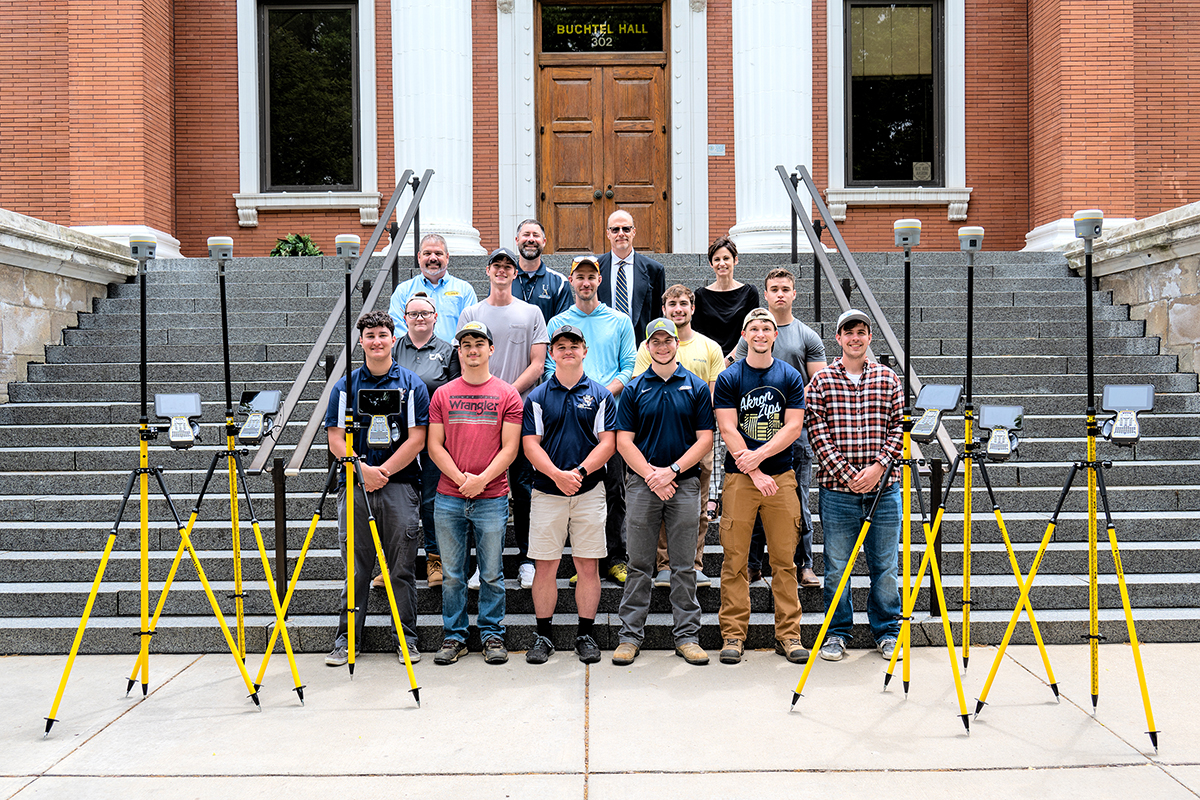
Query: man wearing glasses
(520, 354)
(631, 283)
(450, 295)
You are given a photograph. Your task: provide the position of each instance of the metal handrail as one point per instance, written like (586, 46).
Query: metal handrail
(259, 462)
(889, 336)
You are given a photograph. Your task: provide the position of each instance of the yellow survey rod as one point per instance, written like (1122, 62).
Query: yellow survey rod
(238, 595)
(144, 500)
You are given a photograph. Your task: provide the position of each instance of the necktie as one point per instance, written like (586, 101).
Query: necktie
(621, 293)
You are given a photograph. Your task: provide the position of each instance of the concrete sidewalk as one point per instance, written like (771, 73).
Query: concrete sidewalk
(658, 729)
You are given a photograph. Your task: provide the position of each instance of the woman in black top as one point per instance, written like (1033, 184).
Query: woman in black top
(723, 304)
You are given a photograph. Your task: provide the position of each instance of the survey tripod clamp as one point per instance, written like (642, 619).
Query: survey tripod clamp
(907, 235)
(182, 411)
(1123, 429)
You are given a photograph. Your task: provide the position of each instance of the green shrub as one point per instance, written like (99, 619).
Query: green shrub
(296, 244)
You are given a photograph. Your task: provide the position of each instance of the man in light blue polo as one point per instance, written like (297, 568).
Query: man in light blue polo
(450, 295)
(664, 428)
(612, 354)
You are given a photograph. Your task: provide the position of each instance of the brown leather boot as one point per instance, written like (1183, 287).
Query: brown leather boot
(433, 569)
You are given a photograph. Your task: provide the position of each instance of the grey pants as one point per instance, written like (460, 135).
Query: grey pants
(645, 513)
(396, 509)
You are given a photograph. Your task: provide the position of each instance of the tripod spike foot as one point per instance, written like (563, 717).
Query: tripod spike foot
(257, 686)
(351, 665)
(129, 687)
(1095, 700)
(299, 690)
(965, 660)
(906, 688)
(795, 697)
(416, 693)
(145, 689)
(254, 697)
(887, 678)
(51, 720)
(966, 722)
(1152, 734)
(979, 704)
(1054, 688)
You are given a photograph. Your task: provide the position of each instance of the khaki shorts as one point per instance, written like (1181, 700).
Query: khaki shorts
(553, 518)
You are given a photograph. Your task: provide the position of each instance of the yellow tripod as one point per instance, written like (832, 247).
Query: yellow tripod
(142, 248)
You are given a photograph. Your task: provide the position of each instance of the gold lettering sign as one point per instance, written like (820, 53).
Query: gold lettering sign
(602, 28)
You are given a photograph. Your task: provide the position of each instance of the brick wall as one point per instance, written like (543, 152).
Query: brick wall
(722, 203)
(485, 143)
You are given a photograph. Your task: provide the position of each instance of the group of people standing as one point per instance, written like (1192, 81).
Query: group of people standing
(602, 402)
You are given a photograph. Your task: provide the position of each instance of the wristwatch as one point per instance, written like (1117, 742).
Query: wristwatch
(675, 468)
(582, 471)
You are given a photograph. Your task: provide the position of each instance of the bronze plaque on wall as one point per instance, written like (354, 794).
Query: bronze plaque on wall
(602, 29)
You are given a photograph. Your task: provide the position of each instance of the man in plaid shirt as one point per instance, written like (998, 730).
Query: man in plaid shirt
(855, 410)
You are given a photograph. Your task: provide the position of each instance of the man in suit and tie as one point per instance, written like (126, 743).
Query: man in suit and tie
(631, 283)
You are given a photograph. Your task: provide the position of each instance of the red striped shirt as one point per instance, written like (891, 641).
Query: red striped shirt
(850, 426)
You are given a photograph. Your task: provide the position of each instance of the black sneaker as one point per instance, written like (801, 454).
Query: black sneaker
(541, 651)
(587, 649)
(414, 653)
(338, 656)
(494, 651)
(450, 651)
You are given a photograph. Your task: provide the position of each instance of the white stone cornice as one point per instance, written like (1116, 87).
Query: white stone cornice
(1128, 244)
(250, 203)
(31, 243)
(1060, 235)
(956, 199)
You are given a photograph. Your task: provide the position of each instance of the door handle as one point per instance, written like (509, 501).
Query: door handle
(597, 194)
(608, 194)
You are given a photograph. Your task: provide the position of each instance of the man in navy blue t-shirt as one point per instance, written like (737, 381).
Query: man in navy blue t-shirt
(759, 406)
(664, 428)
(392, 478)
(568, 435)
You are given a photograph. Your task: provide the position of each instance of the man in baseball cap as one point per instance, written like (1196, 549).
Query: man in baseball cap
(851, 316)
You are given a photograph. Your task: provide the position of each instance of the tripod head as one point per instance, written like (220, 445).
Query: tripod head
(382, 406)
(1126, 402)
(260, 409)
(182, 410)
(933, 400)
(1001, 423)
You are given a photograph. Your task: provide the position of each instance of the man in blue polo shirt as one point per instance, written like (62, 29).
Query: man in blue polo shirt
(391, 478)
(568, 434)
(450, 294)
(664, 428)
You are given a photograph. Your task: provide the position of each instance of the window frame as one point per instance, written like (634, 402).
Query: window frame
(938, 178)
(264, 7)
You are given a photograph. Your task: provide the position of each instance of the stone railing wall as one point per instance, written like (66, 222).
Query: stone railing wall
(48, 274)
(1152, 265)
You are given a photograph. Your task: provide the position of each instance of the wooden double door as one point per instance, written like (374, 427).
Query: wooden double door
(603, 145)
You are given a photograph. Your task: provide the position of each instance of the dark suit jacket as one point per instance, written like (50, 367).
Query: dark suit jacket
(649, 283)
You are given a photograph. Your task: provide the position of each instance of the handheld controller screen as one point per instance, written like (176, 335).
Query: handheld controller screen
(1126, 401)
(379, 404)
(934, 399)
(257, 406)
(1003, 422)
(181, 409)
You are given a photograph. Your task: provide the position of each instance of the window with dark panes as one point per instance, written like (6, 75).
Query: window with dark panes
(309, 92)
(894, 94)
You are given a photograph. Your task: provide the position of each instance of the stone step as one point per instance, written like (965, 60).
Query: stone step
(209, 371)
(23, 459)
(131, 337)
(23, 392)
(130, 354)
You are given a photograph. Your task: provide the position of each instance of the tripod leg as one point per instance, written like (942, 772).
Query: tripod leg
(280, 622)
(238, 593)
(87, 609)
(330, 481)
(1023, 600)
(966, 565)
(1152, 732)
(1016, 569)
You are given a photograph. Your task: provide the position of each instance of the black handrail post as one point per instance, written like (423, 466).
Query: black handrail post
(795, 179)
(330, 366)
(416, 184)
(818, 229)
(280, 480)
(935, 498)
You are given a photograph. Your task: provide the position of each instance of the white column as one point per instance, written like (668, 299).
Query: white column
(431, 92)
(689, 126)
(515, 93)
(772, 115)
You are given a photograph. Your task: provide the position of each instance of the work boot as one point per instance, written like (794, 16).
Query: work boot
(433, 569)
(692, 653)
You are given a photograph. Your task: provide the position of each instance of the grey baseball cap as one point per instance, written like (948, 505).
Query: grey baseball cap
(852, 315)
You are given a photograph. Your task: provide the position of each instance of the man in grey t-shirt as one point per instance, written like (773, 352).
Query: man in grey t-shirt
(801, 347)
(521, 340)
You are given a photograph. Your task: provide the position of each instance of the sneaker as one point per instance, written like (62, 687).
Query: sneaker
(834, 649)
(618, 572)
(731, 651)
(886, 646)
(663, 578)
(753, 575)
(587, 649)
(494, 651)
(526, 572)
(450, 651)
(792, 650)
(809, 579)
(414, 654)
(691, 653)
(433, 569)
(473, 581)
(702, 580)
(338, 656)
(541, 651)
(625, 653)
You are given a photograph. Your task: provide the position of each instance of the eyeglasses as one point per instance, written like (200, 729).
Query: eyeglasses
(621, 229)
(420, 314)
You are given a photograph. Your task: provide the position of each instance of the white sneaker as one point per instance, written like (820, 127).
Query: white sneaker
(525, 572)
(473, 581)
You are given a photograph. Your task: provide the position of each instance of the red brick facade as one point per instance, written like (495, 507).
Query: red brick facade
(722, 201)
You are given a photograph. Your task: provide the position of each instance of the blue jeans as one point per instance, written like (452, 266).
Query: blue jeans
(430, 475)
(842, 517)
(456, 519)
